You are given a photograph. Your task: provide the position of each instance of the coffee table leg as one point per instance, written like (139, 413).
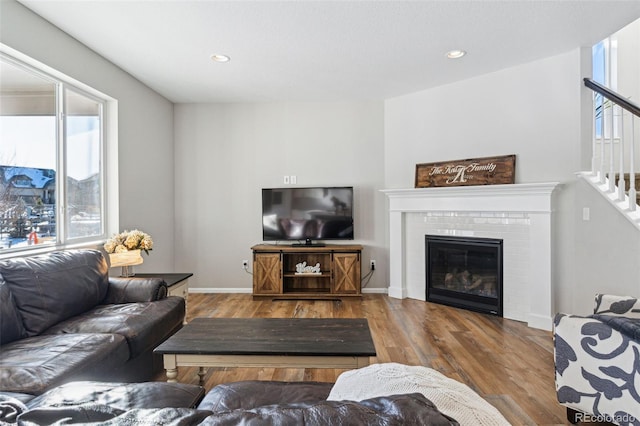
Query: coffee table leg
(172, 375)
(201, 373)
(171, 367)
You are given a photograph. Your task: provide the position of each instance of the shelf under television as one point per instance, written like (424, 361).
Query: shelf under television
(294, 275)
(307, 290)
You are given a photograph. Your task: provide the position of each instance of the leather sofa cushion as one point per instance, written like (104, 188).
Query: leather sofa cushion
(53, 287)
(145, 325)
(10, 321)
(96, 414)
(249, 394)
(123, 396)
(409, 409)
(37, 364)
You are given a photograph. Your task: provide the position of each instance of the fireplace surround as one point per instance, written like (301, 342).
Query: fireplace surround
(464, 272)
(520, 214)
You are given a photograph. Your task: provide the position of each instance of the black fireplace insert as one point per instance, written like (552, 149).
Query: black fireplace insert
(464, 272)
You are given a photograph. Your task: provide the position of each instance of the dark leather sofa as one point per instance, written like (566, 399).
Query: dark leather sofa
(246, 402)
(62, 319)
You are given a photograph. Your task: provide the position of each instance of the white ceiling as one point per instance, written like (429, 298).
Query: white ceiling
(326, 50)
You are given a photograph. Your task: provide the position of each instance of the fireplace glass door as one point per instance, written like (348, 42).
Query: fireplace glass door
(465, 272)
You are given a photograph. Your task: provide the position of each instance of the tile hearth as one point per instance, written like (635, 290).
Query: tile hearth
(519, 214)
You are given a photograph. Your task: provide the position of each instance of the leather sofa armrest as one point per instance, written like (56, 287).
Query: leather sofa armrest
(123, 396)
(250, 394)
(131, 290)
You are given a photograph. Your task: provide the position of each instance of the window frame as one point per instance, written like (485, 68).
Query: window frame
(608, 60)
(108, 173)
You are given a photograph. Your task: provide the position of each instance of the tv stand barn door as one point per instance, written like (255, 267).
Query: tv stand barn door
(275, 271)
(267, 273)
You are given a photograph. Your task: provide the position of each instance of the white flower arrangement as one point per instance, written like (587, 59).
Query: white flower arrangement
(129, 240)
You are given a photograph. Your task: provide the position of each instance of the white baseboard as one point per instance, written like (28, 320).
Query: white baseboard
(220, 290)
(375, 290)
(249, 290)
(541, 322)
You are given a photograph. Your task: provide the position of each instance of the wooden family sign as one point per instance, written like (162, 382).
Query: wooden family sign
(473, 171)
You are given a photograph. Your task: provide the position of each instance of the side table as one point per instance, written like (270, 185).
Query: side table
(177, 284)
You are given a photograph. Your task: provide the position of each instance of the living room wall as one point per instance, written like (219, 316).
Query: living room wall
(534, 111)
(145, 125)
(226, 153)
(606, 247)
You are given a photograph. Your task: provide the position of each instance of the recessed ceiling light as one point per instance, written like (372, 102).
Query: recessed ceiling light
(220, 58)
(456, 54)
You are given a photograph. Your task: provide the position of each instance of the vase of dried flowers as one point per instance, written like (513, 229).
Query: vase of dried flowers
(127, 271)
(127, 260)
(125, 250)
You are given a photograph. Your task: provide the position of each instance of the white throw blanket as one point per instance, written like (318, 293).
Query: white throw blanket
(452, 398)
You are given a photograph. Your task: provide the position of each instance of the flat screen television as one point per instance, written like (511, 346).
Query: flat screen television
(307, 214)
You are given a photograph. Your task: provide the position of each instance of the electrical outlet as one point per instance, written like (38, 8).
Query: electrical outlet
(373, 265)
(245, 264)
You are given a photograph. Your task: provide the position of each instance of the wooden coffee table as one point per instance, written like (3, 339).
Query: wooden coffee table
(268, 342)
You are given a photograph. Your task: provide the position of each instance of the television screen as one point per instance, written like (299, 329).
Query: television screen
(319, 213)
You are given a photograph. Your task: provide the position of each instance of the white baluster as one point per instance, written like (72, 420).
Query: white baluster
(632, 173)
(621, 184)
(603, 129)
(612, 173)
(607, 82)
(594, 120)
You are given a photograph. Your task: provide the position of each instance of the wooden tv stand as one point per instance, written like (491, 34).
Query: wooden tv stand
(275, 276)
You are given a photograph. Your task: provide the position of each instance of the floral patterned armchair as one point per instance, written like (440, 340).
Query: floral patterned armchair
(597, 362)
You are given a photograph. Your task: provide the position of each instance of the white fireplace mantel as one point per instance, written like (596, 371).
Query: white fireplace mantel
(528, 299)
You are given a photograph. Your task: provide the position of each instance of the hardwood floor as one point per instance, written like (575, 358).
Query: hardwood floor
(506, 362)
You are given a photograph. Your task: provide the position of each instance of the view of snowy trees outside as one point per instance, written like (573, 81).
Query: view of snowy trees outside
(46, 139)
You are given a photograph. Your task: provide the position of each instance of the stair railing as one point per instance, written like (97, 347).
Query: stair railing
(610, 110)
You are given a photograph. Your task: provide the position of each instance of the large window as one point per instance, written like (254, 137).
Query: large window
(52, 160)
